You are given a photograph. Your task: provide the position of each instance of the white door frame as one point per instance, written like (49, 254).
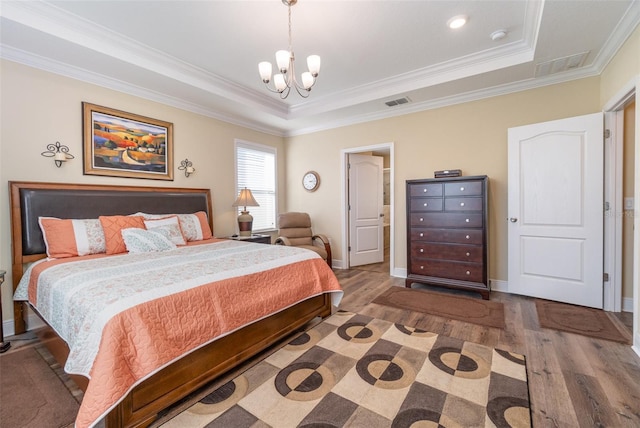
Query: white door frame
(344, 173)
(613, 194)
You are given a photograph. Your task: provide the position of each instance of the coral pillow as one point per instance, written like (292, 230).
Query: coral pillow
(71, 238)
(112, 227)
(169, 225)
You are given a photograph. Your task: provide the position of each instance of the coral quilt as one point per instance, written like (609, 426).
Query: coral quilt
(127, 316)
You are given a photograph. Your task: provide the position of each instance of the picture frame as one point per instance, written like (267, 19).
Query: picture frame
(122, 144)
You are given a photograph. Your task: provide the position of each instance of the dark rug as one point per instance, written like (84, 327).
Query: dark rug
(580, 320)
(476, 311)
(32, 394)
(352, 370)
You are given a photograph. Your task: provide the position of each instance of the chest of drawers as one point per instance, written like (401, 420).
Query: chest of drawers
(447, 233)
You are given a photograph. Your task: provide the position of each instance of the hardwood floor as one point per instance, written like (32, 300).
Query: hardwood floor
(574, 381)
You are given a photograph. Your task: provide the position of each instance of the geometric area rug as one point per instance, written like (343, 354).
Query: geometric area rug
(352, 370)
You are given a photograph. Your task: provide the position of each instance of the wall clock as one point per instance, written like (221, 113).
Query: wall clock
(311, 181)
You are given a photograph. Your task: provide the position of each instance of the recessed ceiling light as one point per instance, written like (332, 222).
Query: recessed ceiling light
(457, 21)
(498, 34)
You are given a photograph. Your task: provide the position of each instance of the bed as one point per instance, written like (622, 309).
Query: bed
(297, 287)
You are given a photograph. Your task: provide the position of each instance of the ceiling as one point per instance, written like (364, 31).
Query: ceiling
(202, 56)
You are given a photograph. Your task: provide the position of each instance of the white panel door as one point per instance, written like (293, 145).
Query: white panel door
(366, 239)
(556, 210)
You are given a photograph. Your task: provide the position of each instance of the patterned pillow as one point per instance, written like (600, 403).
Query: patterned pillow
(172, 227)
(71, 238)
(195, 227)
(146, 241)
(113, 225)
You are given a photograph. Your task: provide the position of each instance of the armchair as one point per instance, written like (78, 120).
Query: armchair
(295, 230)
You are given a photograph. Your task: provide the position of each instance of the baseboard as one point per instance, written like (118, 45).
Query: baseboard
(627, 304)
(499, 285)
(33, 322)
(400, 272)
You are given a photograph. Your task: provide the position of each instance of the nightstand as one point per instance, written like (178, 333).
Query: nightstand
(260, 239)
(4, 346)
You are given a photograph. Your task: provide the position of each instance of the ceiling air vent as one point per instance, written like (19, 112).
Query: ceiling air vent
(403, 100)
(561, 64)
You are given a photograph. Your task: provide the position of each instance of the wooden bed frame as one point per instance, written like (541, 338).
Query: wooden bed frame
(141, 406)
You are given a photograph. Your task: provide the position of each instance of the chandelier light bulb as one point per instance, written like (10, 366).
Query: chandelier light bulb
(307, 80)
(313, 63)
(279, 82)
(282, 59)
(265, 71)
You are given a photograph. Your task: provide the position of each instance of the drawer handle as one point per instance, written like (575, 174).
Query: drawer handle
(422, 250)
(421, 234)
(424, 190)
(468, 273)
(421, 219)
(425, 204)
(462, 189)
(421, 267)
(467, 220)
(462, 204)
(467, 236)
(468, 254)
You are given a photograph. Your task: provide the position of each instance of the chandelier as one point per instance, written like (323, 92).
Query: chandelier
(285, 60)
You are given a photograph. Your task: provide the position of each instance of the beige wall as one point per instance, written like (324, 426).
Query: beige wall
(470, 136)
(622, 69)
(39, 108)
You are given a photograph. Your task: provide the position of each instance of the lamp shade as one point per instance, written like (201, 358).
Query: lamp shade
(245, 199)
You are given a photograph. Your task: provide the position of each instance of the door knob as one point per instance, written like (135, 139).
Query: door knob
(513, 219)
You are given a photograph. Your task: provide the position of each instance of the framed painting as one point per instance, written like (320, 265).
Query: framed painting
(121, 144)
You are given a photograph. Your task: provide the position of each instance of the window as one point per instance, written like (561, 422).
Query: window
(256, 170)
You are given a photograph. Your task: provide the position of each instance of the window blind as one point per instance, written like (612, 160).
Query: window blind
(256, 170)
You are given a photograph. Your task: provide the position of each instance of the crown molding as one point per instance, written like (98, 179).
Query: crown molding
(449, 101)
(76, 73)
(50, 19)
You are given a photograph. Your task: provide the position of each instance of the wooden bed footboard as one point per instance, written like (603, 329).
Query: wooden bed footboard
(142, 405)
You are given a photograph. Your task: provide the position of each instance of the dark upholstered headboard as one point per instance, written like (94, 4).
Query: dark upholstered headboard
(32, 200)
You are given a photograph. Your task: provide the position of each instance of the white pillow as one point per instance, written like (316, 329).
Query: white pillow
(146, 241)
(195, 227)
(170, 225)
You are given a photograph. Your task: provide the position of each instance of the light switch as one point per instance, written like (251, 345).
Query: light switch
(628, 203)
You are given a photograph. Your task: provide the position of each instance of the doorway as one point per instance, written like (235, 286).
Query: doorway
(384, 150)
(622, 238)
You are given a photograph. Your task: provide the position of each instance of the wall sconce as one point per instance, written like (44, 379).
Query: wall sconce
(59, 153)
(187, 166)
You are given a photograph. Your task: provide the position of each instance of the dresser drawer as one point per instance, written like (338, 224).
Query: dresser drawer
(454, 236)
(458, 252)
(425, 189)
(463, 188)
(472, 272)
(456, 220)
(463, 204)
(425, 204)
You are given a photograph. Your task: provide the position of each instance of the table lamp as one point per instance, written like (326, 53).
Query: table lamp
(245, 220)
